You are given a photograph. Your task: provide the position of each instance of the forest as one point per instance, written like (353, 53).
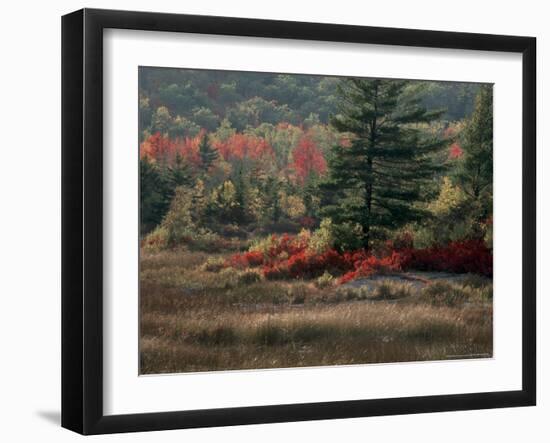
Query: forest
(301, 220)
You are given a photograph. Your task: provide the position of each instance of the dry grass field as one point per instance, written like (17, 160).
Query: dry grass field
(196, 317)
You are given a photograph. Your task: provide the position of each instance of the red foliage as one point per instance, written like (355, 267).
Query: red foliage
(158, 148)
(161, 149)
(307, 159)
(240, 146)
(188, 148)
(459, 257)
(248, 259)
(281, 248)
(455, 151)
(373, 265)
(288, 257)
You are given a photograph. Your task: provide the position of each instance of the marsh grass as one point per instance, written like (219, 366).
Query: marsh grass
(449, 294)
(194, 319)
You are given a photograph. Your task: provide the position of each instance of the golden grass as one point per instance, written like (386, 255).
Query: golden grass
(195, 320)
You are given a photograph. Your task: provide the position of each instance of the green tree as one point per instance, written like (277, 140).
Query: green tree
(205, 118)
(207, 152)
(310, 197)
(376, 181)
(272, 201)
(223, 202)
(475, 170)
(156, 193)
(179, 173)
(161, 120)
(145, 114)
(183, 127)
(240, 210)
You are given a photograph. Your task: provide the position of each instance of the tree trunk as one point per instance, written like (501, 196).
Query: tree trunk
(368, 181)
(368, 204)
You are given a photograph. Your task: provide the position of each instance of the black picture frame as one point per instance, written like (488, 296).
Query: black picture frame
(82, 218)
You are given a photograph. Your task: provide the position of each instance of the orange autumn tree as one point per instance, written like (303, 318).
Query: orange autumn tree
(161, 149)
(240, 146)
(158, 148)
(307, 159)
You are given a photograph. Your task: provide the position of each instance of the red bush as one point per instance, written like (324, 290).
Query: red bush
(248, 259)
(458, 257)
(373, 265)
(288, 257)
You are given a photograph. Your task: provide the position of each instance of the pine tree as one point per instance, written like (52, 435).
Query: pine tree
(273, 204)
(239, 213)
(179, 172)
(208, 154)
(310, 191)
(475, 170)
(156, 192)
(376, 181)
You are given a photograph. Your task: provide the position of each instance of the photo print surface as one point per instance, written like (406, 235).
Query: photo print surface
(291, 220)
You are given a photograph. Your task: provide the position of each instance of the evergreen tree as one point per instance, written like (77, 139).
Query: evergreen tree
(156, 192)
(200, 202)
(310, 192)
(208, 154)
(273, 204)
(475, 170)
(240, 209)
(179, 172)
(376, 181)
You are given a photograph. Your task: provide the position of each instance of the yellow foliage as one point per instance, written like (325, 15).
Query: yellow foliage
(292, 205)
(450, 197)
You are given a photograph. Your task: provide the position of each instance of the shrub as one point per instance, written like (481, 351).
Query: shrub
(486, 292)
(228, 277)
(321, 239)
(325, 280)
(388, 290)
(351, 294)
(272, 247)
(403, 239)
(275, 272)
(347, 236)
(297, 293)
(248, 276)
(294, 257)
(475, 281)
(248, 259)
(204, 240)
(467, 256)
(213, 264)
(370, 265)
(156, 240)
(384, 290)
(445, 294)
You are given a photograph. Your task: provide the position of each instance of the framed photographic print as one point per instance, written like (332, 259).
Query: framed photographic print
(270, 221)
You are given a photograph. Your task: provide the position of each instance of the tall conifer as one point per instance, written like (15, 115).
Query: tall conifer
(475, 171)
(207, 152)
(376, 180)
